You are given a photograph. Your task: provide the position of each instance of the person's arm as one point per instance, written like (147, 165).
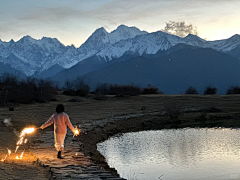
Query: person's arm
(69, 124)
(47, 123)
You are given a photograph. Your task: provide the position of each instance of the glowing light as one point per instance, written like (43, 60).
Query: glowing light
(20, 141)
(27, 131)
(16, 149)
(22, 155)
(77, 132)
(9, 152)
(4, 158)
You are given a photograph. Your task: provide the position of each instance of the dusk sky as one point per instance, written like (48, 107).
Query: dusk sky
(73, 21)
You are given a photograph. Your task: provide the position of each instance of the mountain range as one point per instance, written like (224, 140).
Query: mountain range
(128, 55)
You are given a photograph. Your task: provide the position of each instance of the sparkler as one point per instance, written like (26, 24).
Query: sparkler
(22, 140)
(76, 132)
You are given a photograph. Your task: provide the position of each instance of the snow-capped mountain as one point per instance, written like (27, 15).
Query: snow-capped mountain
(45, 53)
(153, 42)
(32, 56)
(28, 54)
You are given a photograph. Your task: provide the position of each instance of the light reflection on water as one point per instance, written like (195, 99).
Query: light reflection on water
(175, 154)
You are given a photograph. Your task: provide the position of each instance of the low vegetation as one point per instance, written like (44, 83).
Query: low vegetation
(191, 90)
(76, 87)
(233, 90)
(151, 90)
(31, 90)
(210, 90)
(123, 90)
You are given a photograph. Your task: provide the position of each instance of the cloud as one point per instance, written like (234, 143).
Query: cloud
(80, 18)
(180, 29)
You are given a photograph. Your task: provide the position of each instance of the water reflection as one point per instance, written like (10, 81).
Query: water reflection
(175, 154)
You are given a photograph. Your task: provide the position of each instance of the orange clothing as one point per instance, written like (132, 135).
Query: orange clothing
(61, 121)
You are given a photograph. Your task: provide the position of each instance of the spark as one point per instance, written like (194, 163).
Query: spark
(24, 132)
(16, 149)
(9, 151)
(76, 132)
(27, 131)
(4, 158)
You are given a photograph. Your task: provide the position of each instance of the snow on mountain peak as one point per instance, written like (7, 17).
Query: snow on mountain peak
(27, 39)
(39, 55)
(124, 32)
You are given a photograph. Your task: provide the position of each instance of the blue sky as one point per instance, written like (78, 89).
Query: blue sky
(73, 21)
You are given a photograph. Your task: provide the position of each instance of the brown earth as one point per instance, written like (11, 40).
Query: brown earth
(156, 112)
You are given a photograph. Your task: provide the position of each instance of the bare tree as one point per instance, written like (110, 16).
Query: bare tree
(180, 29)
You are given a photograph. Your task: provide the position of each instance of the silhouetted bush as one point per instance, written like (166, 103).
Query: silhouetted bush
(151, 90)
(233, 90)
(122, 90)
(26, 91)
(210, 90)
(76, 87)
(191, 90)
(101, 91)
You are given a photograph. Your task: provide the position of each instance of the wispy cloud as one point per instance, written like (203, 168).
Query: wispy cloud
(79, 18)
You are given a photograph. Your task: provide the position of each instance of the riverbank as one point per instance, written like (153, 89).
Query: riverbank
(100, 119)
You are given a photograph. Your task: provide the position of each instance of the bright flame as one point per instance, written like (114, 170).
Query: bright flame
(20, 141)
(9, 151)
(77, 132)
(16, 149)
(21, 155)
(27, 131)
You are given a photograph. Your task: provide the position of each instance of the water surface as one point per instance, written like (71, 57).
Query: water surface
(175, 154)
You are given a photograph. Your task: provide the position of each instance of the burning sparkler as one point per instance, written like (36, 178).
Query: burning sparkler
(22, 140)
(76, 132)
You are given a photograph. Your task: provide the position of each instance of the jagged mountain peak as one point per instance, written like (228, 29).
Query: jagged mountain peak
(41, 54)
(235, 38)
(99, 31)
(193, 37)
(11, 41)
(123, 27)
(27, 39)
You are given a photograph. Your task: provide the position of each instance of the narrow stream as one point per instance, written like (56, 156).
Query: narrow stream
(175, 154)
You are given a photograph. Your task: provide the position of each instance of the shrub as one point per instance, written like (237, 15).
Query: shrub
(210, 90)
(191, 90)
(25, 91)
(122, 90)
(233, 90)
(101, 91)
(76, 87)
(151, 90)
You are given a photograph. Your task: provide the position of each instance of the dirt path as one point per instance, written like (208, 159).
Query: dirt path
(26, 168)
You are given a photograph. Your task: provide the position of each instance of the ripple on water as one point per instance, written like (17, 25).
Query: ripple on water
(189, 153)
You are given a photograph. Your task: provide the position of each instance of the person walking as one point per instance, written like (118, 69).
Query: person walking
(60, 120)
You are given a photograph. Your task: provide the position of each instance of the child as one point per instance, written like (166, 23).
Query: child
(61, 121)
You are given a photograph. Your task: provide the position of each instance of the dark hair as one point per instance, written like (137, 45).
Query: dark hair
(59, 108)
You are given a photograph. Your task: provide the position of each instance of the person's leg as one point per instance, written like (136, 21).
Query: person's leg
(59, 144)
